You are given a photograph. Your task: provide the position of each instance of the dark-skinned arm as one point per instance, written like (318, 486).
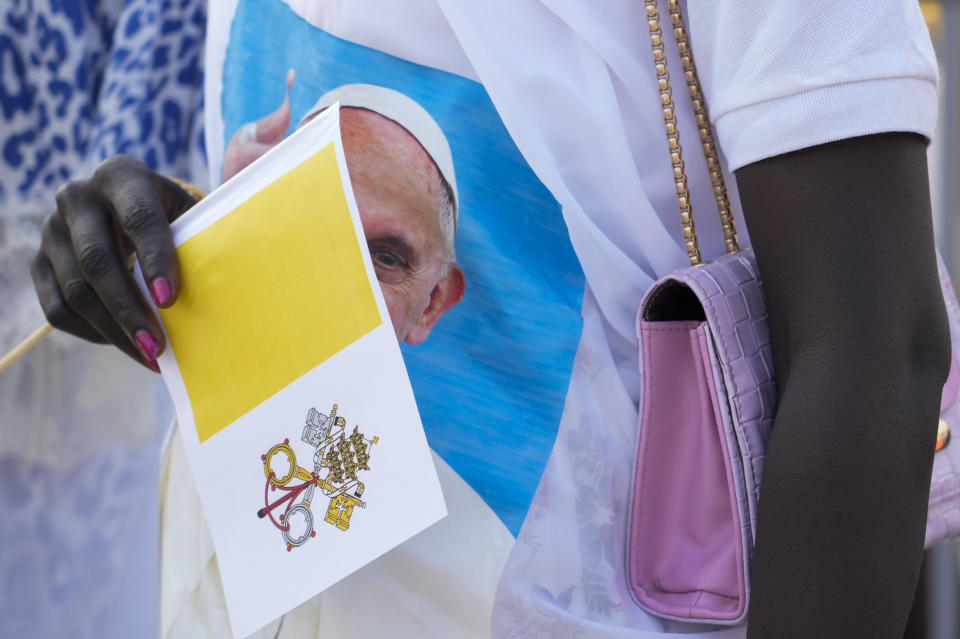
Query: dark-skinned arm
(844, 240)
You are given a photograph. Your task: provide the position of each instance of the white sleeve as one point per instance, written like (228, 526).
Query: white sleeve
(781, 75)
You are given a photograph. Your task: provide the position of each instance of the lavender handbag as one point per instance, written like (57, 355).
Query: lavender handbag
(707, 404)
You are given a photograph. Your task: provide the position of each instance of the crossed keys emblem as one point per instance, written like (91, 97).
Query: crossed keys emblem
(337, 459)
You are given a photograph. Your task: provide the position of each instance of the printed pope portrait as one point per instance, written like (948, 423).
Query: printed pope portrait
(403, 180)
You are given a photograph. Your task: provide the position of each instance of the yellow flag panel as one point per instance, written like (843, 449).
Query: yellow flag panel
(269, 291)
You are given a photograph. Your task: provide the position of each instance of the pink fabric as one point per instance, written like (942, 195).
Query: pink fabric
(943, 516)
(686, 551)
(952, 385)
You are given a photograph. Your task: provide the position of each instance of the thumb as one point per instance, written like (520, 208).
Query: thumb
(273, 127)
(256, 138)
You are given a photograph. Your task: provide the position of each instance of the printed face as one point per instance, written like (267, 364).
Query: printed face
(399, 195)
(398, 191)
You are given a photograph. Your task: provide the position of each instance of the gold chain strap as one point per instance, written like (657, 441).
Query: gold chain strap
(673, 134)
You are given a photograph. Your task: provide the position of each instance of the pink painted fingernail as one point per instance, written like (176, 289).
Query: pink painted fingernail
(153, 364)
(148, 345)
(161, 291)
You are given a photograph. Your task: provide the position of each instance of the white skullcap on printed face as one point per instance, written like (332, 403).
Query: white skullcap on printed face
(395, 106)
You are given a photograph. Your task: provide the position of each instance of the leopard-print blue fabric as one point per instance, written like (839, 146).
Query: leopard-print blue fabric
(83, 79)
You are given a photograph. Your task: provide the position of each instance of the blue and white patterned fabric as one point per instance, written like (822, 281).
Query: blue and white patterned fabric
(82, 80)
(81, 428)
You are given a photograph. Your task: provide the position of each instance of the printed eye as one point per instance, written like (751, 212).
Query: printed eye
(388, 259)
(393, 259)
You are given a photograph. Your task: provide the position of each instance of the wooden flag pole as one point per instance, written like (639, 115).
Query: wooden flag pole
(34, 338)
(20, 349)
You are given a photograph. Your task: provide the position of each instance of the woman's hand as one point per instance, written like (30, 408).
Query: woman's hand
(80, 272)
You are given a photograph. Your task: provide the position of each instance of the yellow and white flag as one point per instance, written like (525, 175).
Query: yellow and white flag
(295, 409)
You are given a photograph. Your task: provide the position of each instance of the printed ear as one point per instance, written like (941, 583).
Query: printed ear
(444, 296)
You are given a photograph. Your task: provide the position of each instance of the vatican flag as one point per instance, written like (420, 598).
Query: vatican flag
(269, 292)
(293, 402)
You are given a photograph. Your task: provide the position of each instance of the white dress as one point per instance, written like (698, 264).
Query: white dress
(574, 85)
